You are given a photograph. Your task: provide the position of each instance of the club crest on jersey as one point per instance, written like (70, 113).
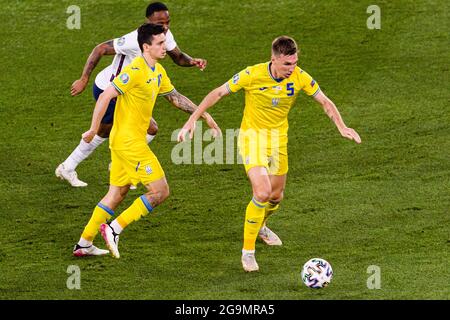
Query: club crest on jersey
(275, 102)
(236, 78)
(124, 78)
(121, 41)
(247, 72)
(148, 169)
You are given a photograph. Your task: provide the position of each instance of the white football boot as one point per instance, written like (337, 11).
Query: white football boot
(248, 261)
(269, 237)
(70, 176)
(111, 239)
(79, 251)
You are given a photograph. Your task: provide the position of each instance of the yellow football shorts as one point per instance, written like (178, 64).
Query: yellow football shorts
(132, 167)
(260, 151)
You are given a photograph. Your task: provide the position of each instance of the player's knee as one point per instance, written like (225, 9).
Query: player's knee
(123, 193)
(165, 192)
(262, 195)
(276, 196)
(112, 200)
(162, 194)
(153, 128)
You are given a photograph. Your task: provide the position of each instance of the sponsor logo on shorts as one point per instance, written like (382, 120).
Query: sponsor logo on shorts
(313, 82)
(148, 169)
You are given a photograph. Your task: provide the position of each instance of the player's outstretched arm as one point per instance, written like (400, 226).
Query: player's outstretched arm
(105, 48)
(330, 109)
(183, 103)
(184, 60)
(211, 99)
(99, 111)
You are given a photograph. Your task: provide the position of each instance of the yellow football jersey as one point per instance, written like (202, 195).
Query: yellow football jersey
(138, 85)
(268, 100)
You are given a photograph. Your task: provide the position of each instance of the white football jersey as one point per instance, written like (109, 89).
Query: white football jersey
(127, 48)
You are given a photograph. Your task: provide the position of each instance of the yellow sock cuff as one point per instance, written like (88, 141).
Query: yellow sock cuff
(259, 204)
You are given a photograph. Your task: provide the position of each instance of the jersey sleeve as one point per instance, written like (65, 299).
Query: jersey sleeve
(127, 44)
(166, 86)
(170, 41)
(309, 85)
(126, 80)
(241, 80)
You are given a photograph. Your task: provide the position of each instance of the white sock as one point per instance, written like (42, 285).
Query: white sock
(84, 243)
(81, 152)
(116, 226)
(150, 137)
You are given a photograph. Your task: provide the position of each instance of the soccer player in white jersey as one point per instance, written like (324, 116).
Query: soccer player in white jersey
(125, 49)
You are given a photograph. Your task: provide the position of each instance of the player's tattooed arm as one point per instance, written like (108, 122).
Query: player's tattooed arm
(179, 57)
(105, 48)
(184, 60)
(183, 103)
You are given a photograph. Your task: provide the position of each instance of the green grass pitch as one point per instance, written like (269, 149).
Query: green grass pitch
(385, 202)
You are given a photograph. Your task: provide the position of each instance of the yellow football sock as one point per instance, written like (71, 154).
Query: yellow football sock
(140, 208)
(254, 217)
(100, 215)
(270, 209)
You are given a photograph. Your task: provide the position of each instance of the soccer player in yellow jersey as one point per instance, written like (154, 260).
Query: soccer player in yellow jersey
(137, 88)
(271, 89)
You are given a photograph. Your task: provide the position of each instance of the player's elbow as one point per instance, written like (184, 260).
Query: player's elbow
(103, 96)
(106, 96)
(221, 92)
(101, 49)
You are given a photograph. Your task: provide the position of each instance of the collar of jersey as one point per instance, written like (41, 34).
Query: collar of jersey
(151, 68)
(270, 73)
